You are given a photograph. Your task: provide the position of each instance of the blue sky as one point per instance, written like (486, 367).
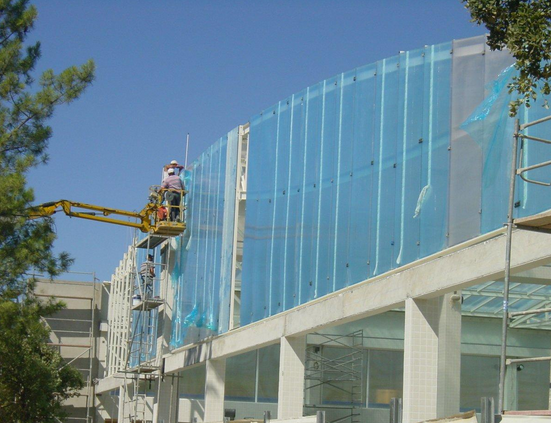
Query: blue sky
(166, 68)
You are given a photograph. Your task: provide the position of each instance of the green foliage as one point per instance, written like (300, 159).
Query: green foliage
(33, 381)
(27, 244)
(523, 27)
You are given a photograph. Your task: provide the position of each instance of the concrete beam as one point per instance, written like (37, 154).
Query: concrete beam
(480, 260)
(539, 276)
(110, 383)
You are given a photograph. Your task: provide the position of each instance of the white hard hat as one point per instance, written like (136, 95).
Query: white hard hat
(174, 162)
(170, 171)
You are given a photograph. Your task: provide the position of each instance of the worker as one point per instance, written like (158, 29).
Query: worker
(173, 187)
(173, 165)
(147, 275)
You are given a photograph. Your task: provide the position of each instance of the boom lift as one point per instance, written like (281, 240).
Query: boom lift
(148, 219)
(138, 314)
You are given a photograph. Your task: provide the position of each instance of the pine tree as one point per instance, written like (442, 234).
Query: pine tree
(32, 385)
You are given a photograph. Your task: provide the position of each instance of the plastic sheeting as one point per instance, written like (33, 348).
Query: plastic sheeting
(492, 128)
(346, 180)
(202, 271)
(350, 178)
(371, 169)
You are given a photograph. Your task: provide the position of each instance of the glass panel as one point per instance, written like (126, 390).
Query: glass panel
(291, 261)
(479, 378)
(362, 176)
(225, 228)
(268, 373)
(260, 210)
(323, 281)
(192, 383)
(386, 373)
(533, 386)
(240, 377)
(309, 190)
(384, 167)
(343, 180)
(436, 140)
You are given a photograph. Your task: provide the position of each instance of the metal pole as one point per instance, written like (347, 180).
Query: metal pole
(92, 354)
(187, 147)
(396, 410)
(535, 122)
(487, 410)
(320, 417)
(508, 268)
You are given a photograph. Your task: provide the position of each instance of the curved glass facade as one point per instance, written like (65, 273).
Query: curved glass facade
(373, 169)
(349, 178)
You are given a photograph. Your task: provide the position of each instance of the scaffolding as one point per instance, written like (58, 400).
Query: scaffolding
(120, 298)
(342, 371)
(65, 327)
(539, 223)
(145, 342)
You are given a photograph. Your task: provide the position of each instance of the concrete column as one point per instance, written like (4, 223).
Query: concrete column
(449, 355)
(165, 406)
(214, 390)
(291, 377)
(432, 358)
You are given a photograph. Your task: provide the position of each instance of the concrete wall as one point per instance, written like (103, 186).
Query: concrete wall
(70, 335)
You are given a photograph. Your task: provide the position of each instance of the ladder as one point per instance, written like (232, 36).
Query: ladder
(135, 404)
(143, 361)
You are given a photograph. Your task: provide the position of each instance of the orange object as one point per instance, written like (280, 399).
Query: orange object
(162, 213)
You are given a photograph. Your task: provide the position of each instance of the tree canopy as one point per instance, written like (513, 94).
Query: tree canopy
(33, 380)
(524, 28)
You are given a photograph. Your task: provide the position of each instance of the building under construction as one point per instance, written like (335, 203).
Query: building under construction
(349, 254)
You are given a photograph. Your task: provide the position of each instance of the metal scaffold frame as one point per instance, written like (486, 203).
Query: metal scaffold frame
(119, 313)
(527, 224)
(344, 372)
(144, 350)
(88, 350)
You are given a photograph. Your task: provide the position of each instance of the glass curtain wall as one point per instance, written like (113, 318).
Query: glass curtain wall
(347, 179)
(378, 167)
(352, 177)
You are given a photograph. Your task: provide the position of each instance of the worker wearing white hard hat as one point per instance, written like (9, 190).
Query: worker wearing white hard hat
(173, 165)
(173, 187)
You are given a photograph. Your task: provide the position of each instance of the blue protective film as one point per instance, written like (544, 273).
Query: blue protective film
(492, 128)
(347, 180)
(350, 178)
(202, 271)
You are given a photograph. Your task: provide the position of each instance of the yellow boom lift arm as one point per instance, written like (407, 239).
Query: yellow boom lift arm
(147, 219)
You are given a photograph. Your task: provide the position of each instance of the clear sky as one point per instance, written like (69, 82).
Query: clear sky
(166, 68)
